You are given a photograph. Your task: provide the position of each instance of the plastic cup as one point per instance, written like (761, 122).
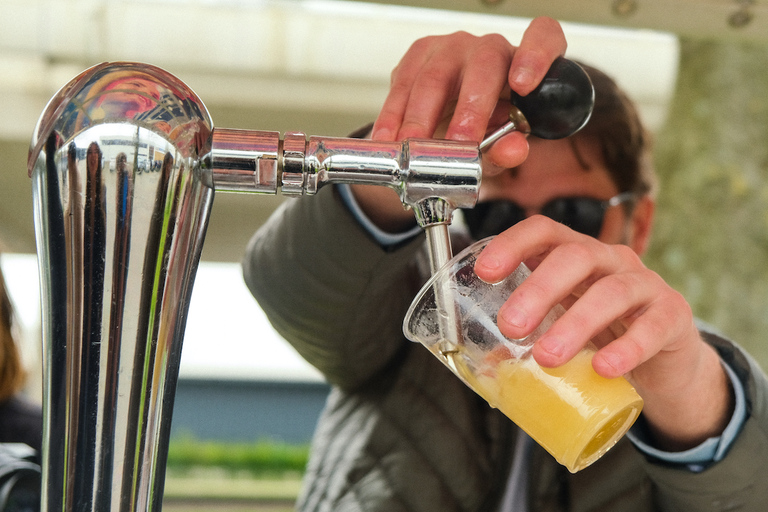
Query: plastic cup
(571, 411)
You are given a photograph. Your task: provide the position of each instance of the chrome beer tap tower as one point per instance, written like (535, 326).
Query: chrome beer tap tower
(125, 161)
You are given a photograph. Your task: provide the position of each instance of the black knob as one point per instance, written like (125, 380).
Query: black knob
(561, 104)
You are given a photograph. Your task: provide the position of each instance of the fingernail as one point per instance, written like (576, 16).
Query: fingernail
(612, 360)
(522, 77)
(552, 345)
(382, 134)
(487, 262)
(514, 316)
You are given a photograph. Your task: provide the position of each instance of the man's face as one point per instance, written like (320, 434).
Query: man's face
(553, 170)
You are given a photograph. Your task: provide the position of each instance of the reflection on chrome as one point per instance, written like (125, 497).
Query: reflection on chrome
(124, 162)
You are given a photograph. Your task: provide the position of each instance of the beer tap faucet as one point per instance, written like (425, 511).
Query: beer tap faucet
(432, 177)
(124, 163)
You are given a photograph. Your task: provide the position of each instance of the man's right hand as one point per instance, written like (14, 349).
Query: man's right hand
(460, 77)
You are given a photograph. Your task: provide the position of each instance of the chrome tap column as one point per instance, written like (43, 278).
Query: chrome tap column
(122, 198)
(124, 162)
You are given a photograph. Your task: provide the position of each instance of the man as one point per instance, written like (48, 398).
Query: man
(336, 273)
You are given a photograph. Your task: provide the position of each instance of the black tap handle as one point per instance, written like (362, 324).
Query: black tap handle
(561, 104)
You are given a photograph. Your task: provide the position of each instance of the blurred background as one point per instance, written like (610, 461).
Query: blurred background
(697, 68)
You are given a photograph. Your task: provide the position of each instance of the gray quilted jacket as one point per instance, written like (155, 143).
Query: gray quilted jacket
(401, 433)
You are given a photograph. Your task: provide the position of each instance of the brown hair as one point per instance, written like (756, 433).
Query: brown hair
(11, 371)
(624, 142)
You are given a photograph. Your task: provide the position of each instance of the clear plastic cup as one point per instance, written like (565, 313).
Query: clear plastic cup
(574, 413)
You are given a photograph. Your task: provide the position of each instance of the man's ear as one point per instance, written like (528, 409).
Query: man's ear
(641, 224)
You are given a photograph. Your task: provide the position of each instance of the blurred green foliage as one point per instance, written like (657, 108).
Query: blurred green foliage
(261, 458)
(710, 240)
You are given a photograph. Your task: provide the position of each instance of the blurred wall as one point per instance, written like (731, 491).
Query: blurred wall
(711, 234)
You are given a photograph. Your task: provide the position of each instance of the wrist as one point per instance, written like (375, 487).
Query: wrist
(684, 415)
(709, 451)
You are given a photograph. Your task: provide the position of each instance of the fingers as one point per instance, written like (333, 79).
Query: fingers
(611, 285)
(634, 296)
(473, 71)
(436, 70)
(666, 326)
(484, 77)
(403, 79)
(534, 236)
(542, 43)
(504, 154)
(607, 279)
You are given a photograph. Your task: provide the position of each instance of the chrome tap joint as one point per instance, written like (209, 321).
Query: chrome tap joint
(293, 178)
(246, 161)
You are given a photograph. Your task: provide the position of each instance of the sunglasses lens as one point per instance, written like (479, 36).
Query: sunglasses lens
(581, 214)
(491, 218)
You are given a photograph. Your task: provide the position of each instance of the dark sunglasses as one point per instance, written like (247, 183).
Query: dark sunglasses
(582, 214)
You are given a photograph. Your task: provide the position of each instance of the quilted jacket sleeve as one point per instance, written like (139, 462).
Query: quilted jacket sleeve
(740, 480)
(339, 316)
